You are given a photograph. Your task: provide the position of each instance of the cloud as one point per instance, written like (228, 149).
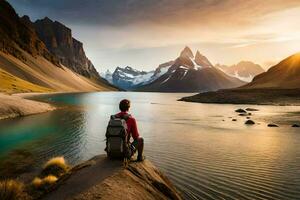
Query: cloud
(162, 12)
(128, 31)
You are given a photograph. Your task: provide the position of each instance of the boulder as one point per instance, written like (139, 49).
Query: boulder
(272, 125)
(251, 109)
(240, 110)
(234, 120)
(295, 125)
(250, 122)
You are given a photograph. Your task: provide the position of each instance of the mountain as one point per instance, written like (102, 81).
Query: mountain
(280, 85)
(58, 39)
(191, 73)
(16, 35)
(284, 75)
(244, 70)
(24, 55)
(128, 78)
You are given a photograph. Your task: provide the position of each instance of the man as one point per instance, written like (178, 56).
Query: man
(138, 142)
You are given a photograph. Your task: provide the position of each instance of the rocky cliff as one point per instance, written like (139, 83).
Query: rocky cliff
(54, 61)
(101, 178)
(58, 39)
(17, 35)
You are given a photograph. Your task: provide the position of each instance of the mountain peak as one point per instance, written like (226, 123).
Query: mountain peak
(47, 19)
(202, 60)
(187, 52)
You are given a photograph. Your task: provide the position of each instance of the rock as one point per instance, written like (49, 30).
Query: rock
(248, 117)
(272, 125)
(295, 125)
(243, 114)
(249, 122)
(140, 180)
(234, 120)
(251, 109)
(240, 110)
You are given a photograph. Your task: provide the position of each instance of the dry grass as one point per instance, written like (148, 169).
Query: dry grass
(56, 166)
(12, 84)
(44, 183)
(37, 182)
(12, 190)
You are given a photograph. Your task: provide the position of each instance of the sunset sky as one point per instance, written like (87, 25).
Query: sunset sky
(143, 34)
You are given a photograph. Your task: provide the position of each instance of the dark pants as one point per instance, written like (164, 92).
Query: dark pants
(139, 145)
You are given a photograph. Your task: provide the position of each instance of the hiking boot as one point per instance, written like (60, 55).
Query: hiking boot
(140, 158)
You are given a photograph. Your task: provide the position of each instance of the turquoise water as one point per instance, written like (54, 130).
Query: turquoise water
(198, 146)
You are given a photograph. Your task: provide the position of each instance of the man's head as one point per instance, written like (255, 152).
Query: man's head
(124, 105)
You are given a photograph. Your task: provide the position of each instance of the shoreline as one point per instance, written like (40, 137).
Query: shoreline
(13, 106)
(20, 104)
(275, 97)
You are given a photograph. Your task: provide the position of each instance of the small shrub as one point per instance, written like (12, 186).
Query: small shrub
(55, 166)
(45, 183)
(37, 182)
(49, 180)
(12, 190)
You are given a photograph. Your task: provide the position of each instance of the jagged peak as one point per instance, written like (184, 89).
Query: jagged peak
(187, 52)
(46, 19)
(26, 17)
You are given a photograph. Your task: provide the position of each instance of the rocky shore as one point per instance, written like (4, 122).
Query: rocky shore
(248, 96)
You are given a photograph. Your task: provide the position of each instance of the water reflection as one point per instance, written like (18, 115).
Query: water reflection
(198, 145)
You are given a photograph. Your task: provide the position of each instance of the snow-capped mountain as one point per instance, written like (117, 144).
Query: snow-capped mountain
(191, 73)
(128, 78)
(244, 70)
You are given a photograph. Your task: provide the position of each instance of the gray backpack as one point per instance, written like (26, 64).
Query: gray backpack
(117, 138)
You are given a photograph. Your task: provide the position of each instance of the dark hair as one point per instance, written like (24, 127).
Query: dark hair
(124, 105)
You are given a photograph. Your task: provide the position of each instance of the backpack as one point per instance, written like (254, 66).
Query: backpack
(117, 138)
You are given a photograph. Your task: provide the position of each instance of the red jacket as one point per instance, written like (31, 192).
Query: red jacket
(131, 125)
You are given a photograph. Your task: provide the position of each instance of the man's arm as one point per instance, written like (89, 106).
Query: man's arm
(134, 130)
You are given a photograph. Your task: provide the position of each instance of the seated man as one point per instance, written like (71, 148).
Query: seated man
(138, 142)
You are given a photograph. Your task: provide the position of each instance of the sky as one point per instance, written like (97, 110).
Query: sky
(146, 33)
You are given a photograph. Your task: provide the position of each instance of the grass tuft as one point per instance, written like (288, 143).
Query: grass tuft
(50, 179)
(37, 182)
(56, 166)
(45, 183)
(12, 190)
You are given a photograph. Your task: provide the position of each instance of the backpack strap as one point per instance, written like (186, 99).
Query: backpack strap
(125, 117)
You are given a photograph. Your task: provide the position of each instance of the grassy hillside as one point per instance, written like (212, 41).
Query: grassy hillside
(11, 84)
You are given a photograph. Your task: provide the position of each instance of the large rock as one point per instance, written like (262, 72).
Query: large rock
(249, 122)
(240, 110)
(101, 178)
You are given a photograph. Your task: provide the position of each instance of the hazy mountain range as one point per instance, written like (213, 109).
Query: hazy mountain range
(244, 70)
(284, 75)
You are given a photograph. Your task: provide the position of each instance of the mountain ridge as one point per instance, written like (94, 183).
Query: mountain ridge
(191, 73)
(244, 70)
(24, 55)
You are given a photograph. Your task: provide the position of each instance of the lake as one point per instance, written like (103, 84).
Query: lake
(198, 146)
